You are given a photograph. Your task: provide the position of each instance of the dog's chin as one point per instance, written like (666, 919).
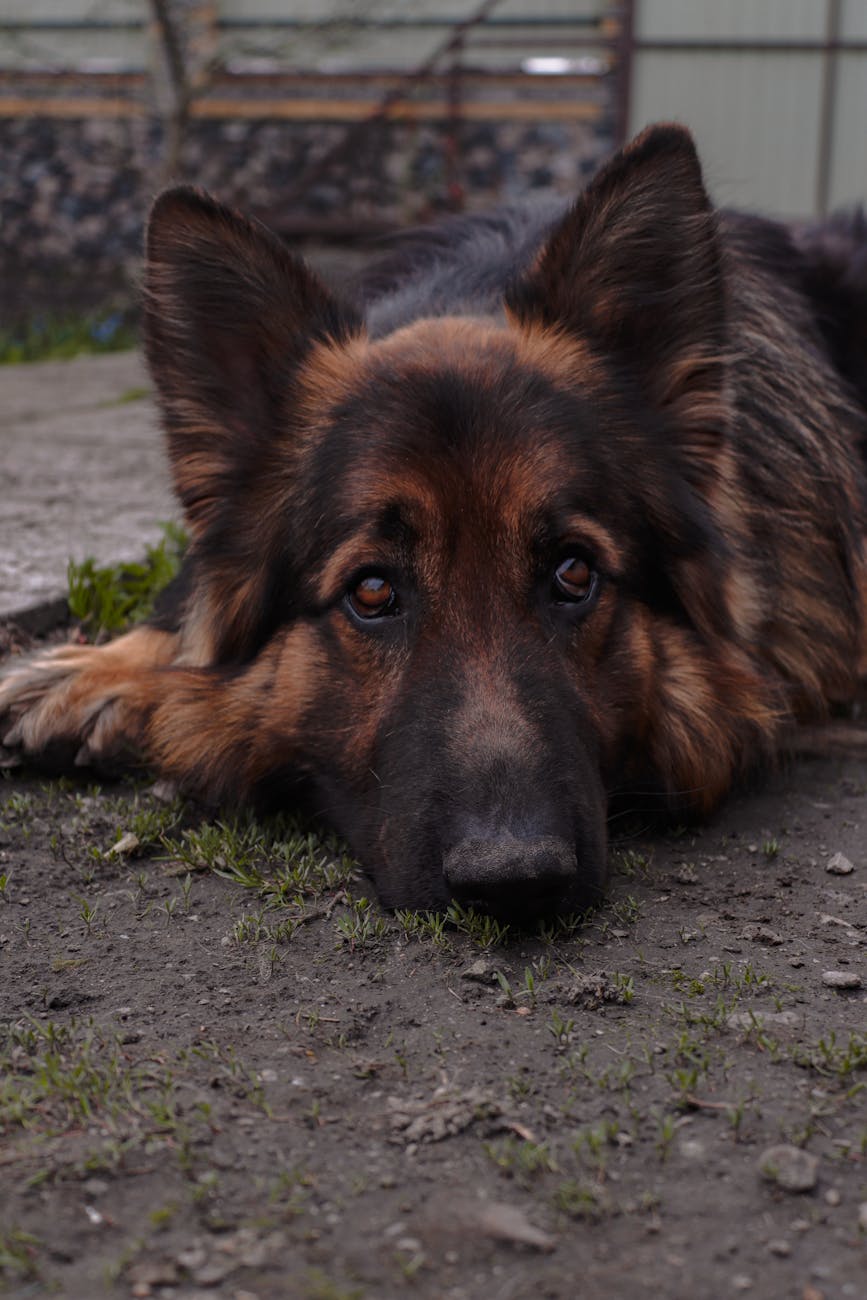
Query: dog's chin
(428, 895)
(539, 909)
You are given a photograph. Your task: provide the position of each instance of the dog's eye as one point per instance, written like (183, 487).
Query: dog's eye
(574, 580)
(373, 597)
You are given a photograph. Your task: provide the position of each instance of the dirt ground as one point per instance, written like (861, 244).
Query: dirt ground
(224, 1073)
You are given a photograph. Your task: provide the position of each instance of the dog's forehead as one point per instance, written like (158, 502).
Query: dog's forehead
(450, 445)
(447, 407)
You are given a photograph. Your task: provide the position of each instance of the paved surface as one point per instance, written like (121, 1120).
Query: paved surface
(82, 473)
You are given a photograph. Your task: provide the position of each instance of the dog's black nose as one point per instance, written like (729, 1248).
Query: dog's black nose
(511, 873)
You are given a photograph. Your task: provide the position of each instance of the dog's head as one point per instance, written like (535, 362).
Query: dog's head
(479, 556)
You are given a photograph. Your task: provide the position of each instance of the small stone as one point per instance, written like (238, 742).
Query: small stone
(213, 1273)
(481, 972)
(762, 934)
(126, 844)
(839, 865)
(96, 1187)
(741, 1282)
(862, 1216)
(841, 979)
(790, 1168)
(509, 1223)
(779, 1246)
(194, 1257)
(832, 1196)
(148, 1273)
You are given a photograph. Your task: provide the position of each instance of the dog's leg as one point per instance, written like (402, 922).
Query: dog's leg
(216, 731)
(73, 704)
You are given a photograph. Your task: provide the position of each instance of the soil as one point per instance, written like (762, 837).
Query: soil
(224, 1073)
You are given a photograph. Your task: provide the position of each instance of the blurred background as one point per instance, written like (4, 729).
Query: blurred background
(339, 121)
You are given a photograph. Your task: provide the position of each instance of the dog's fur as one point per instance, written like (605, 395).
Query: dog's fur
(573, 502)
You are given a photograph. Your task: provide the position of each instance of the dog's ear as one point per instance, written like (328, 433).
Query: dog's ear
(228, 316)
(635, 267)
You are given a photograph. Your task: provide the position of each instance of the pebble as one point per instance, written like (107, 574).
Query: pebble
(790, 1168)
(481, 972)
(841, 979)
(127, 843)
(779, 1246)
(762, 934)
(862, 1216)
(194, 1257)
(840, 865)
(832, 1196)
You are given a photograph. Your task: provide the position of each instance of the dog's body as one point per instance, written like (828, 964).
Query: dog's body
(580, 506)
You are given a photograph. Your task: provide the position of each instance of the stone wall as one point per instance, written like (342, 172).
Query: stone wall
(74, 193)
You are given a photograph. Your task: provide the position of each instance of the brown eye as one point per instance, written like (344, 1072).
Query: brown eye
(574, 580)
(373, 597)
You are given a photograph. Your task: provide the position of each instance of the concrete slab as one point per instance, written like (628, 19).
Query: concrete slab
(82, 473)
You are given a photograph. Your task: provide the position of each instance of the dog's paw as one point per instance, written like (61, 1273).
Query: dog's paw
(71, 706)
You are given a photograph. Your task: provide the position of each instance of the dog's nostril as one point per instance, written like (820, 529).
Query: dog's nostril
(510, 869)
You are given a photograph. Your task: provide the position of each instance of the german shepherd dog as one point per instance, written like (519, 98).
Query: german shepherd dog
(573, 503)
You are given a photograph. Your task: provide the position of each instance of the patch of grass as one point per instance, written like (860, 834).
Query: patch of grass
(109, 598)
(16, 807)
(53, 1077)
(562, 1031)
(285, 865)
(18, 1255)
(483, 929)
(316, 1285)
(427, 927)
(591, 1145)
(834, 1059)
(578, 1200)
(135, 394)
(631, 863)
(362, 926)
(519, 1159)
(150, 821)
(58, 338)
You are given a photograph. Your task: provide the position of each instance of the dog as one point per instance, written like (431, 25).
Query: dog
(569, 502)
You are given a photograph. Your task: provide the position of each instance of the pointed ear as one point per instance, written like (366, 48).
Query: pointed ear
(635, 267)
(229, 315)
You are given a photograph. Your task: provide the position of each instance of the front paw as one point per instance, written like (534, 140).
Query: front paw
(66, 707)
